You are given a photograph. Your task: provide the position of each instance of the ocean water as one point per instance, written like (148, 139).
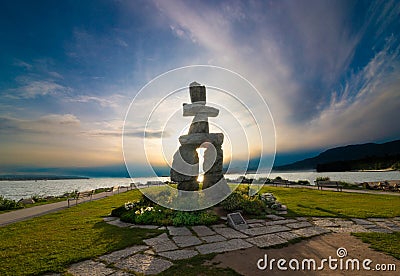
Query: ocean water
(24, 189)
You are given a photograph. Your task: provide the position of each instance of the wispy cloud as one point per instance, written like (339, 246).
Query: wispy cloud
(37, 88)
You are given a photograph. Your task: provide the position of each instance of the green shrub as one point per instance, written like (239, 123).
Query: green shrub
(232, 202)
(118, 212)
(253, 206)
(322, 178)
(8, 204)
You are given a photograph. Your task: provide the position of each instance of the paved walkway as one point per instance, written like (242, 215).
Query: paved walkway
(27, 213)
(180, 243)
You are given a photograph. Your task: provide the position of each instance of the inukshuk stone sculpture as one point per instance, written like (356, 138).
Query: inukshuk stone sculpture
(185, 165)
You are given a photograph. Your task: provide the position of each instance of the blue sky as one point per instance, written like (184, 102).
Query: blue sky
(329, 70)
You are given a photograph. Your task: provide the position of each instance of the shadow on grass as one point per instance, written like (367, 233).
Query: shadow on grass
(328, 212)
(116, 238)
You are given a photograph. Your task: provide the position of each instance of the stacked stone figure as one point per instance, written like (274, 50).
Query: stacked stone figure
(185, 165)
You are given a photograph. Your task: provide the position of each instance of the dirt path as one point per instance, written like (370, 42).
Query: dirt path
(318, 248)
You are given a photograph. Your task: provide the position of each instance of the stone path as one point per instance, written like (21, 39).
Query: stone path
(186, 242)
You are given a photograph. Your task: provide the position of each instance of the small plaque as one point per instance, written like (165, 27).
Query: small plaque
(236, 221)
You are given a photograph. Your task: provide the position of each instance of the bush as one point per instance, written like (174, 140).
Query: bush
(146, 212)
(253, 206)
(233, 202)
(8, 204)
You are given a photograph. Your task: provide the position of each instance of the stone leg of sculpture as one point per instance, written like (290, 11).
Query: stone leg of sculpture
(214, 174)
(185, 168)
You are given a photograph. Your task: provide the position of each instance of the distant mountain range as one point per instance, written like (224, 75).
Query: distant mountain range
(351, 157)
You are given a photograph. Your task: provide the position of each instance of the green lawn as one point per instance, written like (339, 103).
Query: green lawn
(309, 202)
(51, 242)
(388, 243)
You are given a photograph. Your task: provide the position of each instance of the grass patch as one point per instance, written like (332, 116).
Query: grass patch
(51, 242)
(387, 243)
(198, 265)
(309, 202)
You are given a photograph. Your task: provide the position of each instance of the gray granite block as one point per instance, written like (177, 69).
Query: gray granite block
(223, 246)
(120, 254)
(287, 235)
(179, 254)
(254, 225)
(161, 243)
(325, 222)
(265, 230)
(310, 231)
(202, 230)
(267, 240)
(362, 221)
(218, 226)
(380, 230)
(229, 233)
(274, 217)
(178, 231)
(255, 221)
(146, 264)
(185, 241)
(298, 225)
(145, 226)
(89, 268)
(106, 219)
(119, 223)
(376, 219)
(213, 238)
(280, 222)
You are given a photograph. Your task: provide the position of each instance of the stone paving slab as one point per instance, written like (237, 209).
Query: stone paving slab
(185, 241)
(146, 264)
(107, 219)
(298, 225)
(179, 254)
(161, 243)
(302, 219)
(120, 254)
(288, 235)
(119, 223)
(202, 230)
(379, 230)
(90, 268)
(274, 217)
(121, 273)
(376, 219)
(230, 233)
(213, 238)
(267, 240)
(254, 225)
(279, 222)
(179, 231)
(324, 222)
(249, 221)
(362, 221)
(348, 229)
(310, 231)
(145, 226)
(389, 225)
(265, 230)
(224, 246)
(218, 226)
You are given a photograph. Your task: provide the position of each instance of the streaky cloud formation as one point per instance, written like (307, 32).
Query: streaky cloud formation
(329, 71)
